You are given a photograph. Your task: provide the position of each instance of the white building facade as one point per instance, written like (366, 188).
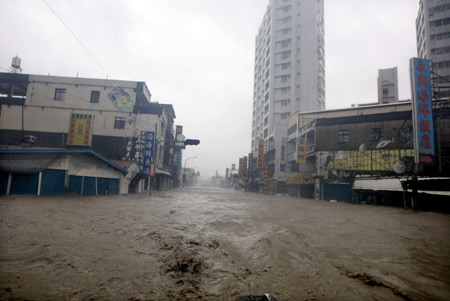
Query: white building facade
(289, 74)
(433, 41)
(387, 85)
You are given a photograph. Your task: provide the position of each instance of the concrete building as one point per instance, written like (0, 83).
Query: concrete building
(106, 116)
(387, 85)
(433, 42)
(289, 73)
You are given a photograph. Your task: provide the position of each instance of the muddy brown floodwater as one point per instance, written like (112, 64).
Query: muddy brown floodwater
(215, 244)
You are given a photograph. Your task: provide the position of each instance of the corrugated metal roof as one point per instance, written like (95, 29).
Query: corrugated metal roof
(64, 151)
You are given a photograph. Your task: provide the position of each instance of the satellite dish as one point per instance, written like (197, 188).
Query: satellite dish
(383, 143)
(399, 167)
(362, 148)
(180, 137)
(340, 155)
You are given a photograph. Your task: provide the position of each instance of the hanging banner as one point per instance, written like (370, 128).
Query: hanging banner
(80, 128)
(422, 111)
(301, 150)
(148, 152)
(260, 159)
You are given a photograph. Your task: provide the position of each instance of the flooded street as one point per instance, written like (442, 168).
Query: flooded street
(215, 244)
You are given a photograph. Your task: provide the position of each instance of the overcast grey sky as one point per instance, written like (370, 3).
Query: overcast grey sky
(198, 56)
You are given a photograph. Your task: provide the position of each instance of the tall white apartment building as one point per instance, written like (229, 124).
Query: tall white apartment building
(387, 85)
(433, 41)
(289, 73)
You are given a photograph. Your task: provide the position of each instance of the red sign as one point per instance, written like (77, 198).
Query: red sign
(152, 169)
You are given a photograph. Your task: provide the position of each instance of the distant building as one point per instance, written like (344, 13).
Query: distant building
(433, 42)
(387, 85)
(289, 72)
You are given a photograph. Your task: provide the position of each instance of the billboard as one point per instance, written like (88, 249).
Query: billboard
(422, 111)
(300, 179)
(80, 128)
(260, 159)
(301, 150)
(148, 151)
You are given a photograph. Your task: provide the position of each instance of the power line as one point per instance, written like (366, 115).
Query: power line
(79, 41)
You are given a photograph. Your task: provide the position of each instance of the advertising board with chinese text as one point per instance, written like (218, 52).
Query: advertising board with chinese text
(80, 128)
(422, 111)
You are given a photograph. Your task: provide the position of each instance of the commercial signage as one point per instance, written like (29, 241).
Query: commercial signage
(301, 150)
(260, 159)
(422, 111)
(251, 165)
(80, 129)
(241, 168)
(283, 156)
(177, 156)
(300, 179)
(152, 169)
(148, 151)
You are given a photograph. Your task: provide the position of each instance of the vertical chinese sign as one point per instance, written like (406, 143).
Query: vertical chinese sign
(283, 156)
(80, 129)
(260, 159)
(148, 152)
(422, 111)
(177, 156)
(301, 150)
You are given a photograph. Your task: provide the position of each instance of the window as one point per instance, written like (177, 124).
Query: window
(95, 96)
(119, 123)
(343, 136)
(59, 94)
(385, 91)
(285, 115)
(376, 134)
(266, 133)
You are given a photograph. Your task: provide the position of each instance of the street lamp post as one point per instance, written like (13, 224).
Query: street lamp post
(184, 170)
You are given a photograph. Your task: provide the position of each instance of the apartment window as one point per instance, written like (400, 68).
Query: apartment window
(284, 102)
(285, 115)
(385, 91)
(266, 133)
(286, 31)
(266, 97)
(343, 136)
(286, 43)
(266, 109)
(266, 120)
(285, 54)
(285, 66)
(119, 123)
(59, 94)
(95, 96)
(376, 134)
(285, 90)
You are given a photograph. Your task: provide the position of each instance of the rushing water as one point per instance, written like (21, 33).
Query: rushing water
(215, 244)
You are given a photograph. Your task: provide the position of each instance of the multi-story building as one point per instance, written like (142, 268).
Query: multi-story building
(387, 85)
(106, 116)
(433, 42)
(289, 74)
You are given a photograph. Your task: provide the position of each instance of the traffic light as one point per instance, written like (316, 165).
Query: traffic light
(191, 142)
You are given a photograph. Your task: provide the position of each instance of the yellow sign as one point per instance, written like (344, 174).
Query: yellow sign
(300, 179)
(260, 159)
(80, 129)
(301, 150)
